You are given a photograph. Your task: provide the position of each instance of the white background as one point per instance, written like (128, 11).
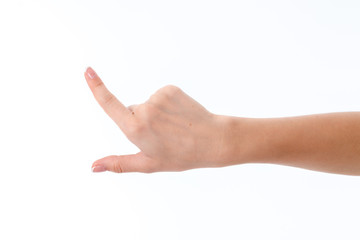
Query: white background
(242, 58)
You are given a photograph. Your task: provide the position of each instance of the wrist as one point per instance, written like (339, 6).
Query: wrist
(246, 140)
(233, 140)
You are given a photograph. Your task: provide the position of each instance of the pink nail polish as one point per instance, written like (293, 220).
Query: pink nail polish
(98, 168)
(90, 72)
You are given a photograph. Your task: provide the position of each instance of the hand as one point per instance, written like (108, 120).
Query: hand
(173, 131)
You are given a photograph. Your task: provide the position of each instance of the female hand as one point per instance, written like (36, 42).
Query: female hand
(173, 131)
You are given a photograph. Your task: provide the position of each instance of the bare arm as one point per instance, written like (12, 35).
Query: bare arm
(176, 133)
(322, 142)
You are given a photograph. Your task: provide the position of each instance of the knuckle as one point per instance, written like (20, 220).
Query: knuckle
(171, 90)
(108, 99)
(98, 85)
(148, 112)
(158, 98)
(164, 94)
(116, 166)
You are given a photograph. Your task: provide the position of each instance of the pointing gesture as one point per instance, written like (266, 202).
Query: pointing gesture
(115, 109)
(172, 130)
(175, 133)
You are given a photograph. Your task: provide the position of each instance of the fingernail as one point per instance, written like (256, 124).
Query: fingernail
(98, 168)
(90, 72)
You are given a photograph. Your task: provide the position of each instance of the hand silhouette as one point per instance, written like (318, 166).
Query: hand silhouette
(172, 130)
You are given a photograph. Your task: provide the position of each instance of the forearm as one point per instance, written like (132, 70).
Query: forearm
(176, 133)
(323, 142)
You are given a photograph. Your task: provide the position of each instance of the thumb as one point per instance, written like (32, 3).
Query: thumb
(124, 163)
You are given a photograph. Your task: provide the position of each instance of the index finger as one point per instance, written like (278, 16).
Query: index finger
(111, 105)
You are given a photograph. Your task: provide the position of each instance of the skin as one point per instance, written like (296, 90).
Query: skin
(176, 133)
